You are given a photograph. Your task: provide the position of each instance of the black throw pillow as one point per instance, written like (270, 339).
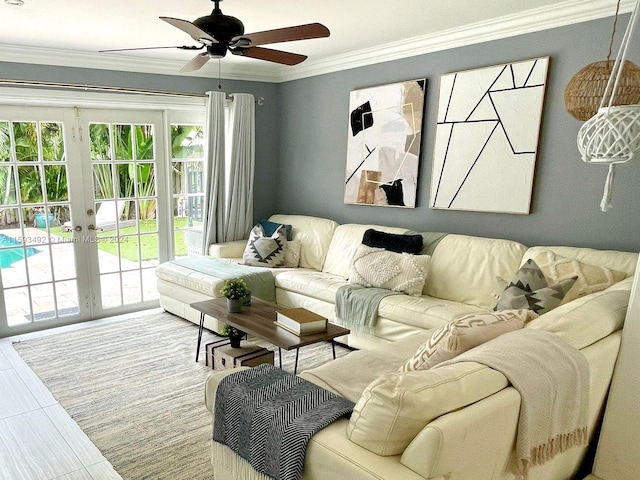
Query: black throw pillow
(394, 242)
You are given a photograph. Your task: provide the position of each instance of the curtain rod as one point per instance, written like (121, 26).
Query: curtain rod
(103, 88)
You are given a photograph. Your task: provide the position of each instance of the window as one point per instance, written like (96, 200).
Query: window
(187, 174)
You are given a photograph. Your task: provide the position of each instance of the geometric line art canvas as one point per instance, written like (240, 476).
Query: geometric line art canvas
(383, 147)
(487, 135)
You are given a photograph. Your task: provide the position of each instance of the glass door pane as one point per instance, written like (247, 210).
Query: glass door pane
(40, 282)
(187, 179)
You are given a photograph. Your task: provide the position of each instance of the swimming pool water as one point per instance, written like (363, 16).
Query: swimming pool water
(9, 256)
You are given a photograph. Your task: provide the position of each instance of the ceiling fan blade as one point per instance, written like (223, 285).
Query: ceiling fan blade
(271, 55)
(181, 47)
(196, 63)
(288, 34)
(196, 33)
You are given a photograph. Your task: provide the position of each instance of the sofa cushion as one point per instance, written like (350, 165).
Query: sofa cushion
(346, 239)
(590, 278)
(465, 269)
(588, 319)
(319, 285)
(423, 312)
(395, 407)
(531, 290)
(265, 250)
(200, 282)
(349, 375)
(399, 243)
(314, 234)
(615, 260)
(398, 272)
(464, 334)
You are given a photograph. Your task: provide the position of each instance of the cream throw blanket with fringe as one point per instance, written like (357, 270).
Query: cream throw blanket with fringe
(552, 378)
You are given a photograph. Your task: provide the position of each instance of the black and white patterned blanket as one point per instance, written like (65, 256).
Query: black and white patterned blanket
(267, 416)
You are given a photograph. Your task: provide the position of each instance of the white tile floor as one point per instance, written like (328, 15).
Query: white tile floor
(38, 439)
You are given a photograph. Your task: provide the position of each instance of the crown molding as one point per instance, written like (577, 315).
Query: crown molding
(535, 20)
(538, 19)
(124, 63)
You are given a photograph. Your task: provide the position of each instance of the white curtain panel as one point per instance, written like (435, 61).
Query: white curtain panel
(214, 192)
(242, 166)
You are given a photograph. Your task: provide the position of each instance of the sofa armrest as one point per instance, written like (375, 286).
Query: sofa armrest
(233, 249)
(472, 443)
(395, 407)
(212, 383)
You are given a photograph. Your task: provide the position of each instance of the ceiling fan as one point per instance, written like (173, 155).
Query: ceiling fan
(218, 33)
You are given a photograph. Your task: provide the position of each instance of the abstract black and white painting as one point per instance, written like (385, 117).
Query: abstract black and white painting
(487, 137)
(383, 148)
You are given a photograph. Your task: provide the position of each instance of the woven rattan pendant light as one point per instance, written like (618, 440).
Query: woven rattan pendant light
(583, 93)
(612, 136)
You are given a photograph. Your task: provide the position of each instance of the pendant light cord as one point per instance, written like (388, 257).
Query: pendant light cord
(613, 34)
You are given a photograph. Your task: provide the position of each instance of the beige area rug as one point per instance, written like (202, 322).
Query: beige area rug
(134, 388)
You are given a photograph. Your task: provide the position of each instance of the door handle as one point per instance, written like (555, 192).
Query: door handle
(94, 228)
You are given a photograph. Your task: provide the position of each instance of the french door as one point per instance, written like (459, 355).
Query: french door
(80, 229)
(123, 154)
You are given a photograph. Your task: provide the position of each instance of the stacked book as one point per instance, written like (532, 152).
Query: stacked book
(300, 321)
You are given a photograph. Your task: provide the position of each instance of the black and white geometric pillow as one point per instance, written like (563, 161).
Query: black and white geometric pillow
(263, 250)
(531, 290)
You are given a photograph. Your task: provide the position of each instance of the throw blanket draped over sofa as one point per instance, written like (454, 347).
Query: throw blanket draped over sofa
(552, 379)
(267, 416)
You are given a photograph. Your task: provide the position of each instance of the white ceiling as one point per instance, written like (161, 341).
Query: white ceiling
(71, 32)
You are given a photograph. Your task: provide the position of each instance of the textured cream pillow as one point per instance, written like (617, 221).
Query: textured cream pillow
(591, 278)
(399, 272)
(292, 254)
(463, 334)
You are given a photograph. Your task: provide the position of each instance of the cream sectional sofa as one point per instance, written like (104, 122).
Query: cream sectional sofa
(466, 275)
(456, 422)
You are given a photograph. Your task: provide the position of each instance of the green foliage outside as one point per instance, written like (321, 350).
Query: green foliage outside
(132, 175)
(30, 188)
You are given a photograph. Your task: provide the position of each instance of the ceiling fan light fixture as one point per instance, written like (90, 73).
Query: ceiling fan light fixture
(14, 3)
(220, 33)
(217, 50)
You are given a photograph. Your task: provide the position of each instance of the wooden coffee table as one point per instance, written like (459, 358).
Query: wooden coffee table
(257, 319)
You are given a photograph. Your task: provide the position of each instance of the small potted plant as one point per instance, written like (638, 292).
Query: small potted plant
(235, 289)
(235, 335)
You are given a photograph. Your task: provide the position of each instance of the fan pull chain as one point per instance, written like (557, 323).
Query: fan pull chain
(219, 80)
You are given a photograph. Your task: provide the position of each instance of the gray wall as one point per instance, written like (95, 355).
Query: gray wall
(567, 192)
(266, 115)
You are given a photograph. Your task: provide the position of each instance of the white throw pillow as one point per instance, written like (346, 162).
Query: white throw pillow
(264, 251)
(399, 272)
(465, 333)
(292, 254)
(591, 278)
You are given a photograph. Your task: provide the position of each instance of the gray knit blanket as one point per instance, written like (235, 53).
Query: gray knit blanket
(267, 416)
(259, 279)
(356, 307)
(552, 378)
